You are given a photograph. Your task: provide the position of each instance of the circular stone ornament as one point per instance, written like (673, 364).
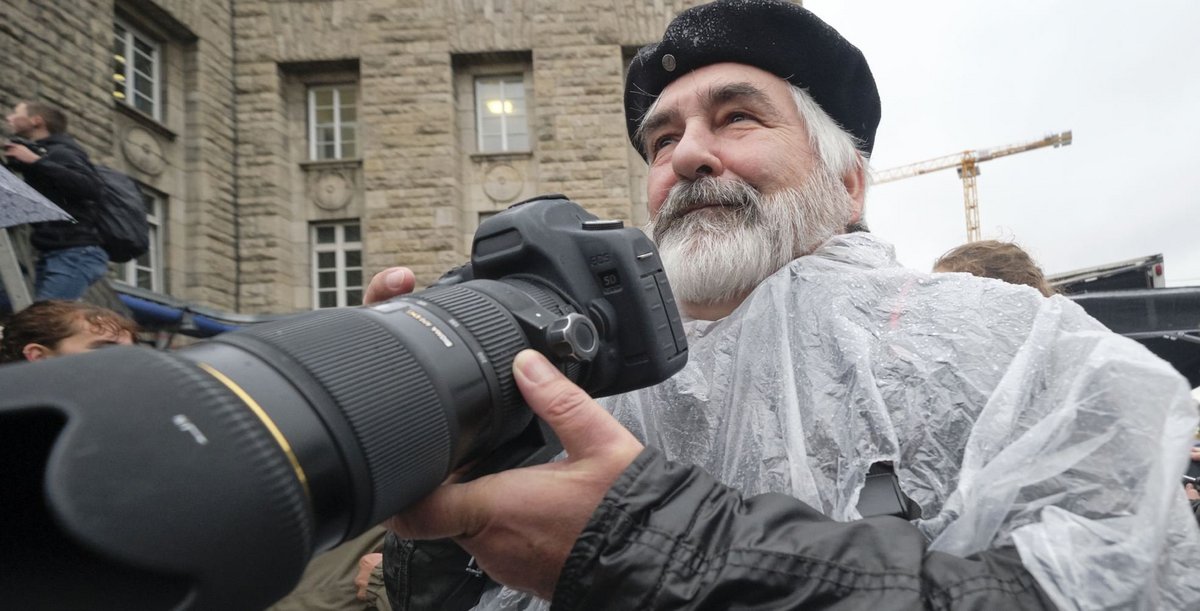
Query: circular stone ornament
(503, 183)
(143, 151)
(332, 190)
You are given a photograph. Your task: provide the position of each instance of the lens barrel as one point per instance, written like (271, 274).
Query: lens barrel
(280, 440)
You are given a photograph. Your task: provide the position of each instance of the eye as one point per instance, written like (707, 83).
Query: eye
(738, 117)
(660, 143)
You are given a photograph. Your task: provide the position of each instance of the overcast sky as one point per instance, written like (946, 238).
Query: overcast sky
(1124, 76)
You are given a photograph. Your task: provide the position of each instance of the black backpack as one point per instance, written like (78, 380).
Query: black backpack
(121, 216)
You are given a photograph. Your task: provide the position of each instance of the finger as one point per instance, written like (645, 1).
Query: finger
(452, 510)
(581, 424)
(389, 283)
(366, 566)
(361, 584)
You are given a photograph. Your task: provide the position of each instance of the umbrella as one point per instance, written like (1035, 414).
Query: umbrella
(20, 203)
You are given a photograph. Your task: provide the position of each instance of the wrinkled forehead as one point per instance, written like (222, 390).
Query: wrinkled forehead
(724, 81)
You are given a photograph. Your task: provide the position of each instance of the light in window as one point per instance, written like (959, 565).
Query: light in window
(136, 79)
(501, 121)
(500, 107)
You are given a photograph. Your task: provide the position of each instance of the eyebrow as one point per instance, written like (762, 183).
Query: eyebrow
(716, 96)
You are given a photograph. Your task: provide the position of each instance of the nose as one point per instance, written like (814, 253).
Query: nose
(696, 154)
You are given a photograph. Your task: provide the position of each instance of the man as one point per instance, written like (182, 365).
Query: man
(1043, 451)
(49, 329)
(70, 258)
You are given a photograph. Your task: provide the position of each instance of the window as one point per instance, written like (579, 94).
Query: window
(337, 265)
(137, 69)
(500, 113)
(146, 271)
(333, 122)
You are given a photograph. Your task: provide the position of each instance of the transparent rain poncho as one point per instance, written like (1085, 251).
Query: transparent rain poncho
(1011, 419)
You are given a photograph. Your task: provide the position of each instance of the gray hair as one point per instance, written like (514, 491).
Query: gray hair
(835, 147)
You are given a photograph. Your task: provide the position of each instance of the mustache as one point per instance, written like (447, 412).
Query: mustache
(690, 195)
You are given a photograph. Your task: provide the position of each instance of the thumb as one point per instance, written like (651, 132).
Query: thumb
(389, 283)
(584, 428)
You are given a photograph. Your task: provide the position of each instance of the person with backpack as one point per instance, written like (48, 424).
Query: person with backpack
(69, 254)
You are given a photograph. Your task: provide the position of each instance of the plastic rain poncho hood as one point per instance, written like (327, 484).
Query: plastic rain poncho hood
(1012, 419)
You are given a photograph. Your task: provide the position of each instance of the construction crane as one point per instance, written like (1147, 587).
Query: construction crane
(967, 163)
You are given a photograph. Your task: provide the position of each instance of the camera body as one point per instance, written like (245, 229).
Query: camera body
(29, 144)
(37, 149)
(206, 478)
(609, 273)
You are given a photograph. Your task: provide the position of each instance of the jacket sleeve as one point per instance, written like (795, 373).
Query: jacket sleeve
(668, 536)
(430, 575)
(70, 172)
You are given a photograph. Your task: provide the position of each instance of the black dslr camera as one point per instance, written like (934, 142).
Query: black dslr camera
(206, 478)
(37, 149)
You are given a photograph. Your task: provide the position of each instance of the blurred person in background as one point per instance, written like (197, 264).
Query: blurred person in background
(54, 328)
(995, 259)
(69, 257)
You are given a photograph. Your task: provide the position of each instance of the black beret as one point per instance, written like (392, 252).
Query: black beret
(777, 36)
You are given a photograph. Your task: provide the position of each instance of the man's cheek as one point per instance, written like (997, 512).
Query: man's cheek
(656, 195)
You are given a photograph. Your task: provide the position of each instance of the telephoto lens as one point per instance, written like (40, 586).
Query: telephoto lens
(206, 478)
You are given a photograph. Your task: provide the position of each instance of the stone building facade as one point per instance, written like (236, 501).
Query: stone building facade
(292, 147)
(178, 146)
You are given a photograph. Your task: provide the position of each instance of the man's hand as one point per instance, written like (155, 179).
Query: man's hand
(389, 283)
(20, 152)
(366, 566)
(521, 524)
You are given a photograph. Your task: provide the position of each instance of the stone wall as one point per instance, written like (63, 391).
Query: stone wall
(61, 51)
(230, 154)
(422, 184)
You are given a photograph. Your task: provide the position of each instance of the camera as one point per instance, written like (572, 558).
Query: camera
(206, 478)
(37, 149)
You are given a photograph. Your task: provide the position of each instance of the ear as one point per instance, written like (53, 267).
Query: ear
(856, 185)
(36, 352)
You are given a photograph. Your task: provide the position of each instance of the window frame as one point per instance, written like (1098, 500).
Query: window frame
(157, 88)
(156, 217)
(311, 112)
(340, 246)
(504, 80)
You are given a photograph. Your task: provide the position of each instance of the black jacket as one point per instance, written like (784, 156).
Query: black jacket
(66, 177)
(669, 536)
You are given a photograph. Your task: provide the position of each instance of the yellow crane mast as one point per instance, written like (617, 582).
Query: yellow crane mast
(967, 163)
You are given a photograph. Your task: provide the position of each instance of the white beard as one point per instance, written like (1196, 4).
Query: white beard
(719, 254)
